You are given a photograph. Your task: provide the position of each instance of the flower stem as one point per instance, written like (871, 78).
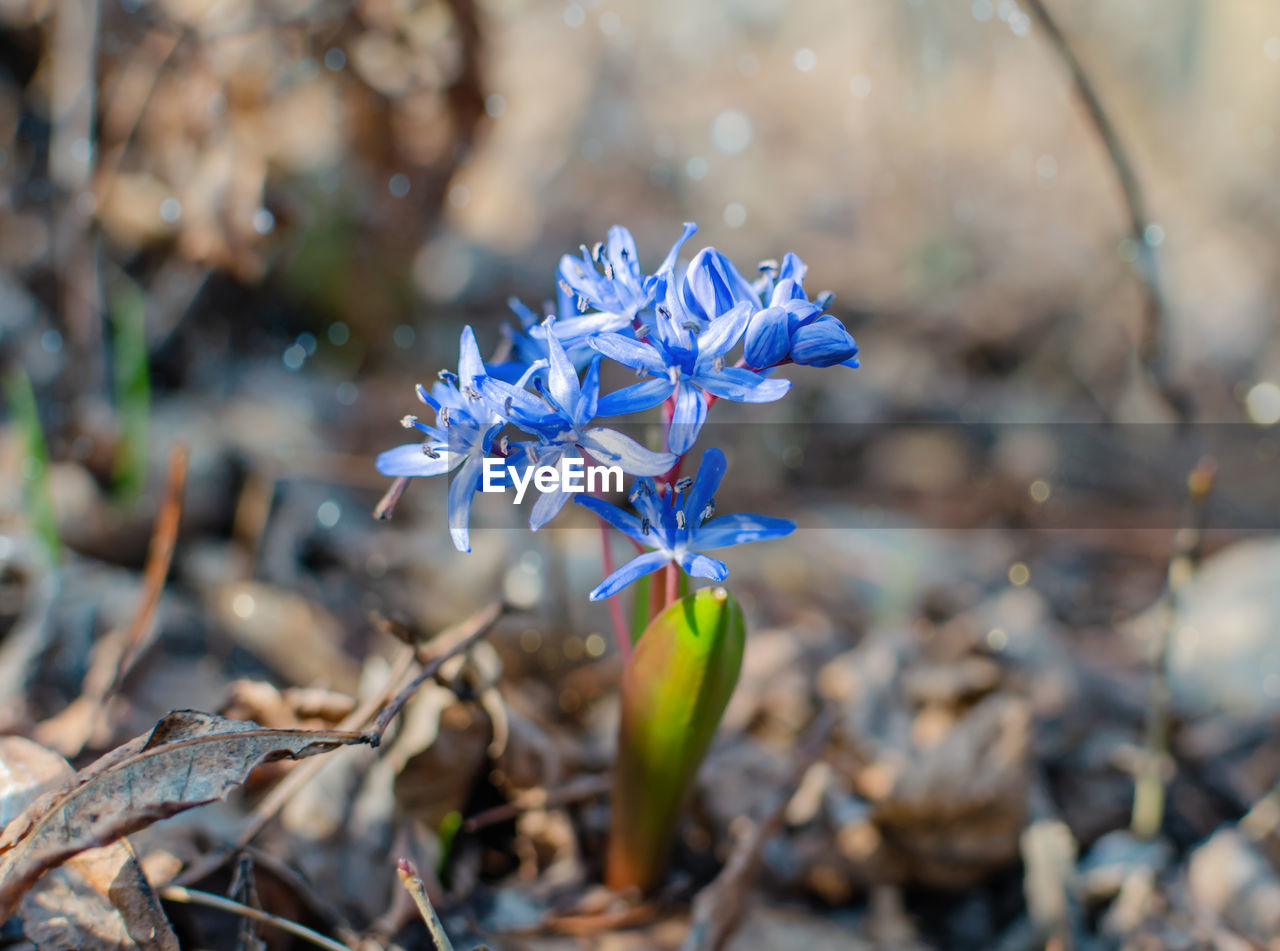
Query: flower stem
(621, 633)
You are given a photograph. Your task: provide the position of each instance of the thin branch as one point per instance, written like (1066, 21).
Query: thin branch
(1149, 789)
(717, 911)
(417, 889)
(463, 636)
(187, 896)
(1152, 346)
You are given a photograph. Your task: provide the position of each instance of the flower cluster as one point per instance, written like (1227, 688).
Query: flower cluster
(676, 328)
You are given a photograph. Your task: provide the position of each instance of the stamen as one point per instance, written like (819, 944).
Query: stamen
(408, 422)
(443, 416)
(717, 364)
(680, 523)
(692, 326)
(646, 526)
(673, 374)
(583, 306)
(608, 271)
(422, 394)
(683, 485)
(504, 445)
(429, 452)
(665, 311)
(597, 251)
(825, 298)
(564, 286)
(507, 406)
(471, 392)
(769, 266)
(708, 510)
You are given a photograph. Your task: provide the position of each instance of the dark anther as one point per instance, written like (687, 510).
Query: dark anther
(429, 452)
(471, 392)
(448, 376)
(680, 523)
(683, 485)
(709, 510)
(645, 526)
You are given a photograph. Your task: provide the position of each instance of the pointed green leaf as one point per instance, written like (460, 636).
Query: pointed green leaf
(674, 692)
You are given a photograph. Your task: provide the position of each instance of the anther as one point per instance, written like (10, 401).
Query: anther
(680, 523)
(597, 251)
(443, 416)
(583, 306)
(824, 299)
(564, 286)
(683, 485)
(507, 406)
(504, 445)
(717, 364)
(471, 392)
(645, 526)
(429, 452)
(692, 326)
(448, 376)
(708, 510)
(769, 266)
(408, 422)
(608, 271)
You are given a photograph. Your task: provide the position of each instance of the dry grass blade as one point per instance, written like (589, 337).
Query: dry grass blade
(113, 657)
(189, 759)
(189, 896)
(717, 911)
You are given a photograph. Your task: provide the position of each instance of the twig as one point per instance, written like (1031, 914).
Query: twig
(717, 909)
(187, 896)
(1151, 348)
(585, 787)
(418, 891)
(115, 655)
(463, 636)
(294, 780)
(1149, 788)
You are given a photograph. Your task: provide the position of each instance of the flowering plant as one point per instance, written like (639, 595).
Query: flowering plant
(677, 330)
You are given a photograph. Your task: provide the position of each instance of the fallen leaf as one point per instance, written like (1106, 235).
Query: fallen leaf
(99, 899)
(189, 759)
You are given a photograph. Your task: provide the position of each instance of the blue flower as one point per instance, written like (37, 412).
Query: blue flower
(713, 286)
(686, 359)
(622, 291)
(794, 328)
(678, 529)
(559, 416)
(460, 439)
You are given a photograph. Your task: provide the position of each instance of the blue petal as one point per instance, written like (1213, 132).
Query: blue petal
(547, 507)
(713, 285)
(519, 406)
(620, 248)
(687, 419)
(410, 460)
(742, 386)
(585, 411)
(614, 449)
(625, 522)
(767, 337)
(629, 352)
(741, 529)
(669, 262)
(522, 310)
(822, 343)
(793, 269)
(562, 378)
(710, 472)
(703, 566)
(470, 366)
(462, 490)
(572, 330)
(638, 567)
(724, 332)
(634, 398)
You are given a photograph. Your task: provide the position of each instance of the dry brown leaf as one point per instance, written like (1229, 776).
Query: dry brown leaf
(189, 759)
(99, 899)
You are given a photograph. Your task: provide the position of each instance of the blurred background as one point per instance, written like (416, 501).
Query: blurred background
(248, 228)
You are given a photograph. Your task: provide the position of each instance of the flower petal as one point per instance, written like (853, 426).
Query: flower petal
(687, 419)
(742, 386)
(634, 398)
(410, 460)
(822, 343)
(620, 248)
(723, 333)
(462, 491)
(612, 448)
(767, 337)
(547, 507)
(470, 366)
(703, 566)
(519, 406)
(629, 352)
(585, 411)
(638, 567)
(741, 529)
(713, 285)
(625, 522)
(710, 472)
(562, 378)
